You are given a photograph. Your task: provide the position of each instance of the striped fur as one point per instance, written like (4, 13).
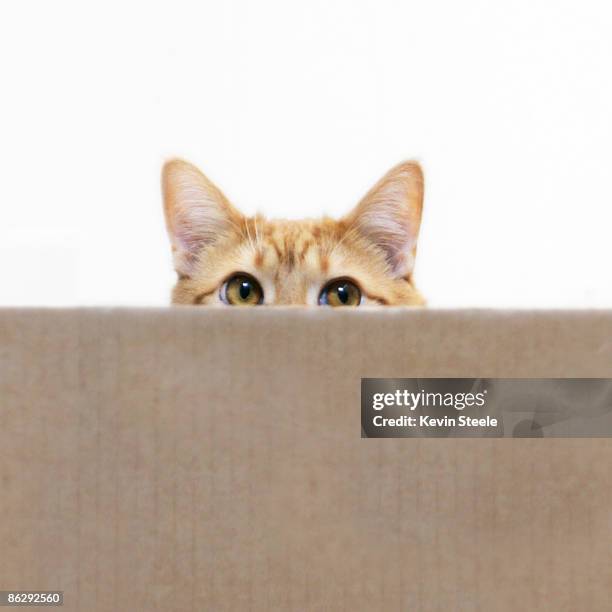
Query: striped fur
(374, 245)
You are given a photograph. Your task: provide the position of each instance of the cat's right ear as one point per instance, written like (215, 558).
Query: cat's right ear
(197, 213)
(389, 216)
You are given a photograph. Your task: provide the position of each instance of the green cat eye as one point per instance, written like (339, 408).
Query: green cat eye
(241, 290)
(340, 292)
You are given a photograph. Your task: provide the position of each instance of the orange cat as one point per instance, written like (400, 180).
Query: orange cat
(224, 258)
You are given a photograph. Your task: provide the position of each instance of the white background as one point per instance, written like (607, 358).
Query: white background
(295, 109)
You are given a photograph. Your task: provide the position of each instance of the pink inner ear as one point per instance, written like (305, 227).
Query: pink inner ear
(389, 215)
(388, 226)
(402, 262)
(197, 213)
(195, 227)
(190, 228)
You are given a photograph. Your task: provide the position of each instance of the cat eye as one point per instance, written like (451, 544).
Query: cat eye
(340, 292)
(241, 290)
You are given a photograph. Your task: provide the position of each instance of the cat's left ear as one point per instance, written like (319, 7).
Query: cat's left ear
(198, 215)
(389, 216)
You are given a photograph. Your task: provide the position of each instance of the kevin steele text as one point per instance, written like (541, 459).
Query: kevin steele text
(429, 421)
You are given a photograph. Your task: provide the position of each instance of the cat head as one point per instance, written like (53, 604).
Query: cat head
(224, 258)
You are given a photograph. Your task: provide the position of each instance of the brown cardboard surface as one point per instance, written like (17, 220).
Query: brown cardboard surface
(192, 459)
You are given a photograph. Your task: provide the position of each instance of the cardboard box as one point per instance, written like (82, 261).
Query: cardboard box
(193, 459)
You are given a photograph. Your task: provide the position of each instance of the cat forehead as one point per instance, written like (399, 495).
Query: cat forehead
(291, 241)
(291, 244)
(291, 231)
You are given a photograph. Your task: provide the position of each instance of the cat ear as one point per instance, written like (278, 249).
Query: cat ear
(197, 213)
(389, 216)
